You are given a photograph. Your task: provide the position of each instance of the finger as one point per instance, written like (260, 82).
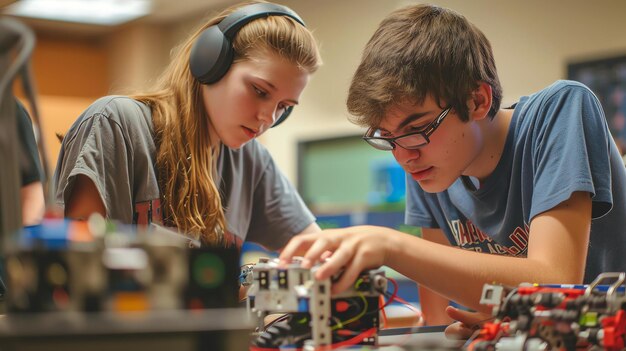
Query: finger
(347, 279)
(332, 266)
(469, 318)
(458, 331)
(319, 247)
(353, 265)
(297, 246)
(326, 255)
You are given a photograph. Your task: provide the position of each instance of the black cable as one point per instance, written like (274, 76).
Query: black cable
(287, 330)
(277, 320)
(505, 304)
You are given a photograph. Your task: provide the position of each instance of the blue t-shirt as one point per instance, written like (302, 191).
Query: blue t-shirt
(558, 143)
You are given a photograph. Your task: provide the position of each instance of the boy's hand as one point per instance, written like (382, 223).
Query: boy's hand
(353, 249)
(466, 323)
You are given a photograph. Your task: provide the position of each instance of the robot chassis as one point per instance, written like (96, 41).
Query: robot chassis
(555, 317)
(313, 318)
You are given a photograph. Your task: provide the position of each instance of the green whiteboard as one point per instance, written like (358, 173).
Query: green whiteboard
(336, 174)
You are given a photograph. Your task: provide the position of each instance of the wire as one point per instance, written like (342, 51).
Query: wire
(256, 348)
(505, 304)
(276, 320)
(392, 297)
(350, 342)
(394, 294)
(408, 305)
(361, 314)
(353, 341)
(381, 301)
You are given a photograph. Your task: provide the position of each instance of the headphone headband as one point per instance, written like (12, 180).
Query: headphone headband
(231, 24)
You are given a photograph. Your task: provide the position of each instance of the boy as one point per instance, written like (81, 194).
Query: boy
(535, 193)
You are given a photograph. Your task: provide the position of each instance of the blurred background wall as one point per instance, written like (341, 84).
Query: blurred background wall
(533, 41)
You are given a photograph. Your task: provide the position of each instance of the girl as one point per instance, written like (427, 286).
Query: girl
(185, 154)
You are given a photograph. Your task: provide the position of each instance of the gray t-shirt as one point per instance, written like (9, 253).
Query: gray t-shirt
(558, 143)
(112, 144)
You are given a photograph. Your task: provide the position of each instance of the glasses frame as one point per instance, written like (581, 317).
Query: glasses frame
(425, 132)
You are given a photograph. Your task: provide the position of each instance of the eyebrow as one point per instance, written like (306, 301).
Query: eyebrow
(410, 119)
(295, 102)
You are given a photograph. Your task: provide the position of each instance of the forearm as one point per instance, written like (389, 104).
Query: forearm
(556, 253)
(433, 307)
(460, 275)
(33, 203)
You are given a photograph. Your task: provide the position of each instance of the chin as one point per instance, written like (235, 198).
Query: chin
(429, 188)
(237, 144)
(433, 185)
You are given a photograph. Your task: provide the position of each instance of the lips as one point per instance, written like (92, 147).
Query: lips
(250, 132)
(422, 173)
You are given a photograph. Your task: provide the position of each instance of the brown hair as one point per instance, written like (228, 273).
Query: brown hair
(186, 162)
(418, 51)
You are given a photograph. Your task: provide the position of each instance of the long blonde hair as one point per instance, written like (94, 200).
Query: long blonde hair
(186, 162)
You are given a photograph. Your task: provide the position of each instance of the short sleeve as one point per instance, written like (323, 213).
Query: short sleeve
(571, 151)
(96, 148)
(279, 212)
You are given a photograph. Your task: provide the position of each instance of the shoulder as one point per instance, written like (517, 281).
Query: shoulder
(563, 98)
(569, 87)
(120, 109)
(561, 86)
(116, 112)
(563, 90)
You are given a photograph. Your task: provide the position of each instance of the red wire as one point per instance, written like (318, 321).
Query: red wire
(408, 305)
(360, 337)
(382, 310)
(394, 294)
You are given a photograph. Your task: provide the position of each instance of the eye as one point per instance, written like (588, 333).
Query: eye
(282, 107)
(260, 92)
(383, 134)
(418, 128)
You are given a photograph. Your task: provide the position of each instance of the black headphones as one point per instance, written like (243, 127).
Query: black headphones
(212, 53)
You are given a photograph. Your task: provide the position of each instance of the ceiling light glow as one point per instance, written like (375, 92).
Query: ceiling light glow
(99, 12)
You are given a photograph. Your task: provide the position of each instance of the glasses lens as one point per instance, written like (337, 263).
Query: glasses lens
(412, 141)
(380, 144)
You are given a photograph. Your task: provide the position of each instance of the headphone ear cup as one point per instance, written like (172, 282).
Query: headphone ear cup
(283, 117)
(211, 56)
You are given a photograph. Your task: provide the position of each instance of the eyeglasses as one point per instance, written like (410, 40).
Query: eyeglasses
(409, 141)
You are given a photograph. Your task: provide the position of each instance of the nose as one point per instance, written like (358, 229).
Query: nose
(404, 156)
(268, 116)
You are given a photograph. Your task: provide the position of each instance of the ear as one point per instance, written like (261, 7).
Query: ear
(479, 102)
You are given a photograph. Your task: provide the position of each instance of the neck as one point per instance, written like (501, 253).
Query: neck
(496, 131)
